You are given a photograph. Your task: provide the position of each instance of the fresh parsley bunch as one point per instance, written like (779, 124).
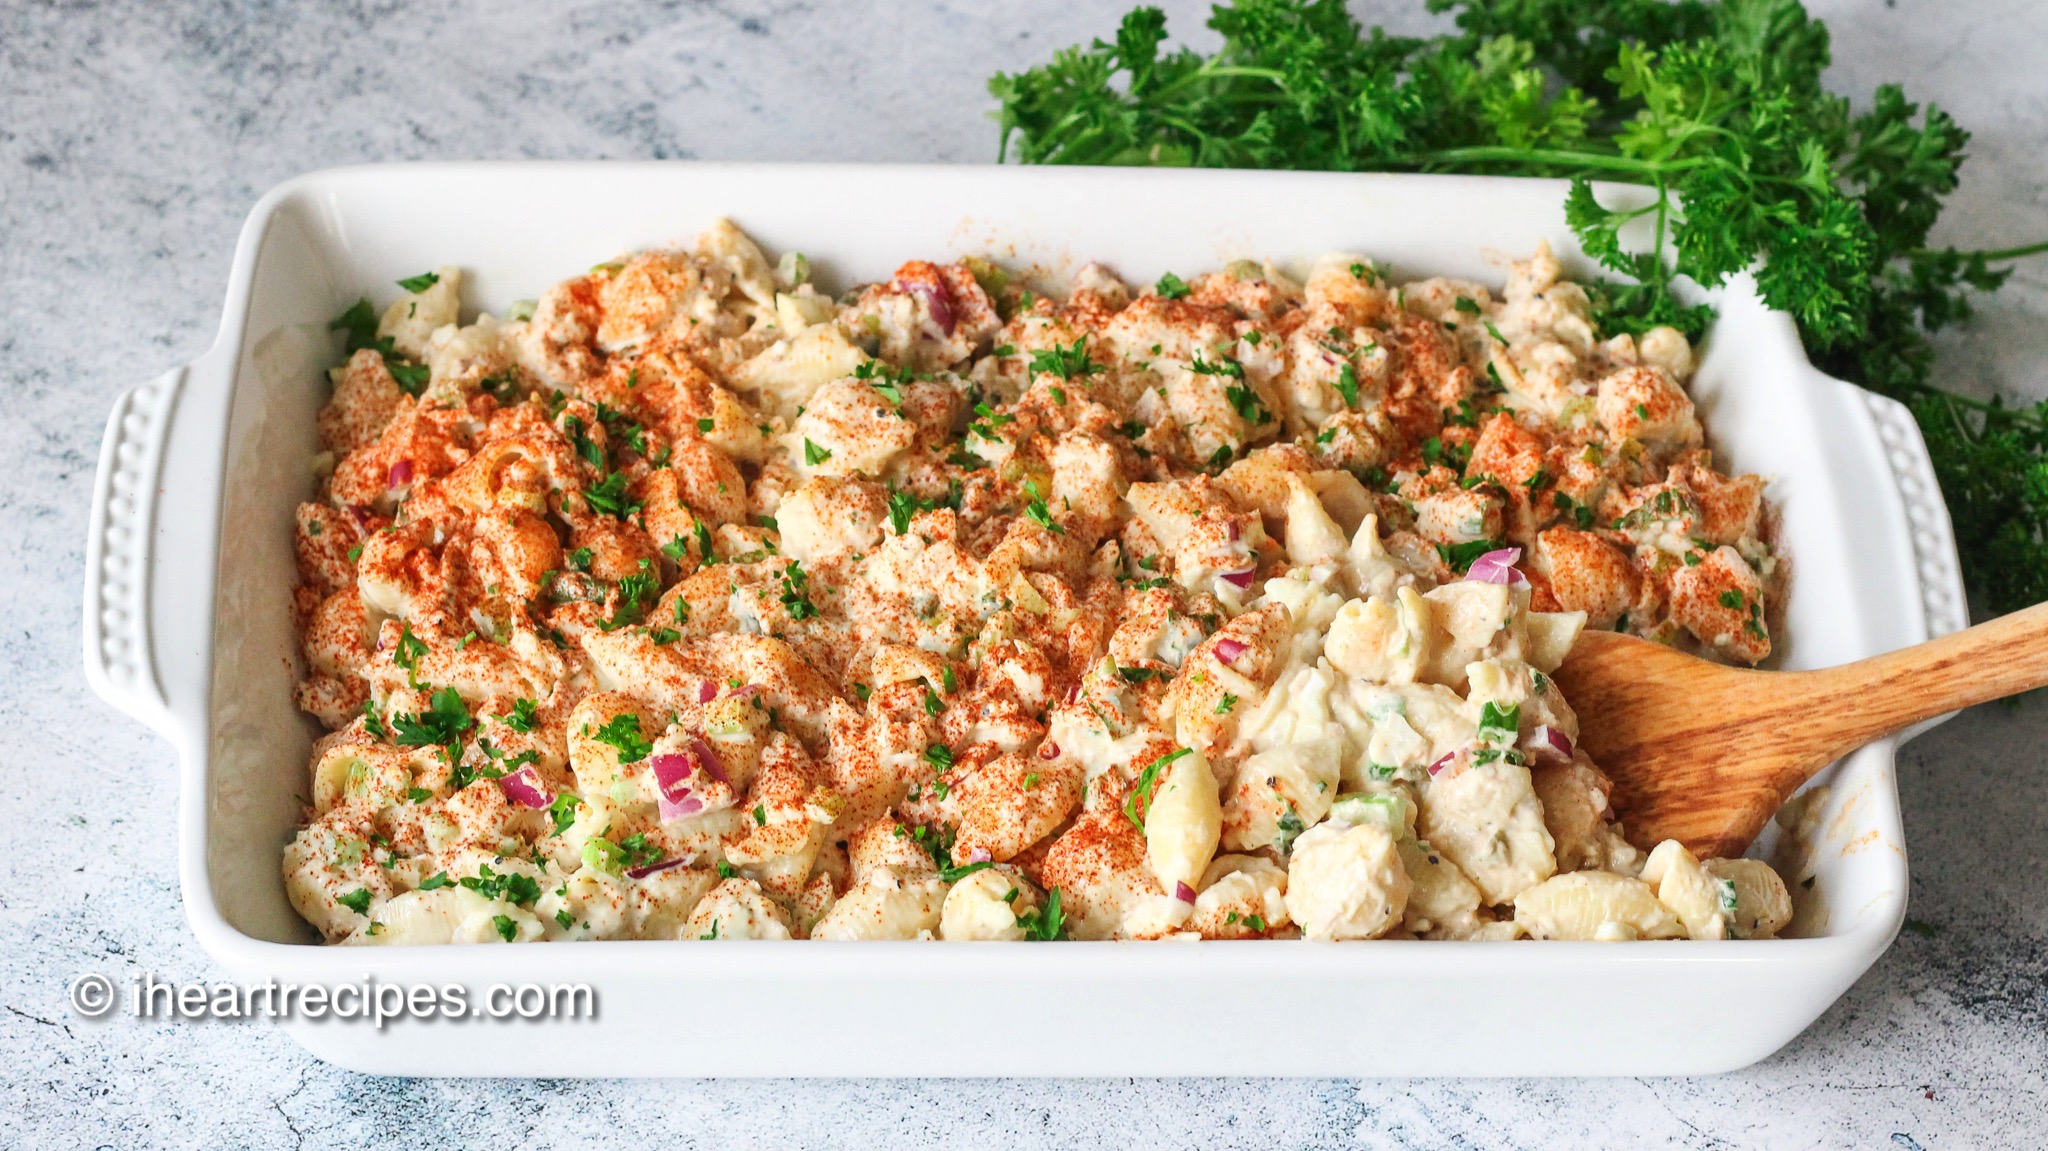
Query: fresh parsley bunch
(1716, 106)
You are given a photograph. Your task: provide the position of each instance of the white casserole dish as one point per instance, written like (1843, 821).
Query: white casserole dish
(187, 628)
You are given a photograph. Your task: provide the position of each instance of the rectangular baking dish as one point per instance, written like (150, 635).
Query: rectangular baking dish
(187, 628)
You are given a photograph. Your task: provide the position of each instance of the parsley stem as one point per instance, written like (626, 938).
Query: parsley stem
(1594, 160)
(1988, 255)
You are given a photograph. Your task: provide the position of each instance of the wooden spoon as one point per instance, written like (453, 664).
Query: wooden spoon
(1706, 754)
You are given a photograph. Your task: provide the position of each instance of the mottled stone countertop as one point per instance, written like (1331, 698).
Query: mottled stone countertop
(134, 137)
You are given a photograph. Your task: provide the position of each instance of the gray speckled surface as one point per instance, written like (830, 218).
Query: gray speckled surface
(134, 137)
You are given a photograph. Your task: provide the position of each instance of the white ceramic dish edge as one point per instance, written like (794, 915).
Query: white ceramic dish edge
(168, 600)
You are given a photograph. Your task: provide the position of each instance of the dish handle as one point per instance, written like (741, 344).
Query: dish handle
(1937, 570)
(120, 551)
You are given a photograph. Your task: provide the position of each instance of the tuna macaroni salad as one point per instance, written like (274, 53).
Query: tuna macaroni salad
(691, 602)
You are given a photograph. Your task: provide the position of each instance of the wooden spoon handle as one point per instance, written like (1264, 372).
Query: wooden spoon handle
(1880, 695)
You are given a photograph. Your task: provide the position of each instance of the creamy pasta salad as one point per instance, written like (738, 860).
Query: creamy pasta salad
(691, 602)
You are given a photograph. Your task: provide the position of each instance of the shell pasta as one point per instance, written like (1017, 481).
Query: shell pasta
(691, 602)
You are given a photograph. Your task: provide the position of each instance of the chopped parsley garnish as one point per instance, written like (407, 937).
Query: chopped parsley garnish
(511, 886)
(939, 756)
(507, 929)
(1036, 512)
(760, 815)
(563, 810)
(372, 722)
(360, 324)
(1065, 361)
(815, 455)
(634, 592)
(357, 901)
(1460, 556)
(795, 599)
(989, 422)
(1496, 722)
(1347, 386)
(1135, 675)
(1047, 925)
(1171, 286)
(1246, 403)
(956, 874)
(705, 425)
(525, 715)
(436, 882)
(1732, 600)
(441, 725)
(1224, 705)
(1290, 827)
(638, 852)
(932, 705)
(608, 497)
(1467, 305)
(903, 505)
(407, 655)
(1579, 513)
(622, 731)
(420, 283)
(1139, 794)
(1224, 366)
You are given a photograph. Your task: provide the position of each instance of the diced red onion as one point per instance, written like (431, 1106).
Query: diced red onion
(707, 691)
(709, 761)
(650, 869)
(1048, 750)
(361, 513)
(1073, 692)
(672, 774)
(980, 855)
(401, 474)
(1498, 567)
(675, 778)
(1183, 892)
(1548, 741)
(745, 690)
(1440, 764)
(1233, 531)
(1241, 579)
(937, 300)
(525, 788)
(1228, 650)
